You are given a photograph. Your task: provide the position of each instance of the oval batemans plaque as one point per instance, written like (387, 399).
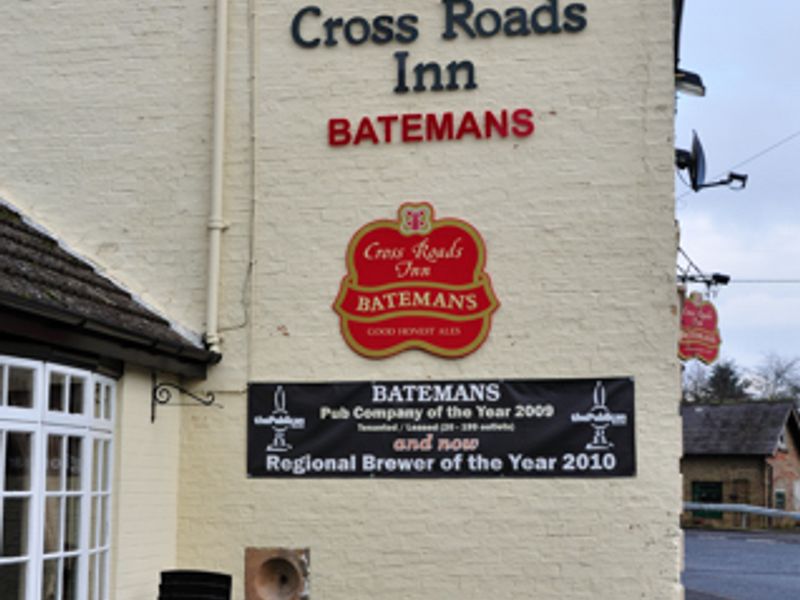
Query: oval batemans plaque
(416, 282)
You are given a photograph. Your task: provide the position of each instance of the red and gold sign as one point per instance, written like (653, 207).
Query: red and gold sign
(416, 282)
(700, 337)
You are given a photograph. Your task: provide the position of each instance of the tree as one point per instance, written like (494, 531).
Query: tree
(724, 384)
(778, 378)
(695, 378)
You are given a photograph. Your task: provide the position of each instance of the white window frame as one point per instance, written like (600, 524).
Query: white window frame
(21, 414)
(41, 422)
(34, 507)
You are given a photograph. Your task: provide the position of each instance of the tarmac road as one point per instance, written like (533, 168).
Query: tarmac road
(726, 565)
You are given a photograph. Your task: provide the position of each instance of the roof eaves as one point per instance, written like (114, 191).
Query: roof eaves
(119, 335)
(192, 350)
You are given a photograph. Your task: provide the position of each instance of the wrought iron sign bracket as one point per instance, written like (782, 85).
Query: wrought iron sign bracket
(162, 394)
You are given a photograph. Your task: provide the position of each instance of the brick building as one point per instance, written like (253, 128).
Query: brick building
(204, 178)
(744, 453)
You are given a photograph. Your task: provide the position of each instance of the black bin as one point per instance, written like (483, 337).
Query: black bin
(194, 585)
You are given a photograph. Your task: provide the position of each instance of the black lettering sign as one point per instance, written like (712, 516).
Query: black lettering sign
(559, 428)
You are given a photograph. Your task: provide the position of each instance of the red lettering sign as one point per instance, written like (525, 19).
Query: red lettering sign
(410, 128)
(416, 282)
(700, 337)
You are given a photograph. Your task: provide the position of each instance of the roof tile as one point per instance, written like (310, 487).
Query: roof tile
(37, 271)
(750, 428)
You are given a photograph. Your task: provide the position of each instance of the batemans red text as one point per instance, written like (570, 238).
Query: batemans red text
(430, 127)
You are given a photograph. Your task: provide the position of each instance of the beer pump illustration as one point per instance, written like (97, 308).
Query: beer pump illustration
(600, 418)
(281, 421)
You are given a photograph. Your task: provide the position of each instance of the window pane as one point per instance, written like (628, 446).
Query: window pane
(102, 568)
(70, 579)
(92, 585)
(106, 467)
(18, 461)
(3, 371)
(98, 463)
(52, 525)
(76, 388)
(104, 521)
(95, 519)
(55, 462)
(98, 401)
(12, 581)
(94, 507)
(20, 387)
(50, 580)
(58, 383)
(73, 524)
(74, 463)
(15, 528)
(106, 402)
(707, 492)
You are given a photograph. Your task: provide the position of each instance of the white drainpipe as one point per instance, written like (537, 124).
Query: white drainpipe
(215, 220)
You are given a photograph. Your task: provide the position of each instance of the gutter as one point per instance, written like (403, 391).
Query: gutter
(120, 335)
(47, 333)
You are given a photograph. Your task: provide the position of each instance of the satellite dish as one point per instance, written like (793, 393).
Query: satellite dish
(697, 173)
(694, 162)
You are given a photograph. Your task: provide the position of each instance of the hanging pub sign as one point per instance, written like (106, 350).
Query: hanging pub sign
(416, 282)
(559, 428)
(700, 337)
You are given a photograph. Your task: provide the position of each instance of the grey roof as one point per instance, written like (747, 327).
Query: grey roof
(38, 276)
(746, 428)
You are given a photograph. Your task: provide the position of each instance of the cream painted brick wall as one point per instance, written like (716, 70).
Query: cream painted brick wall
(579, 226)
(106, 125)
(577, 219)
(106, 130)
(145, 490)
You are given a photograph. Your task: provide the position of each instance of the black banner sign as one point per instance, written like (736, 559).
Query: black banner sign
(559, 428)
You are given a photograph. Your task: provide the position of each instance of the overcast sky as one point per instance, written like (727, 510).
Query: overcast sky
(747, 54)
